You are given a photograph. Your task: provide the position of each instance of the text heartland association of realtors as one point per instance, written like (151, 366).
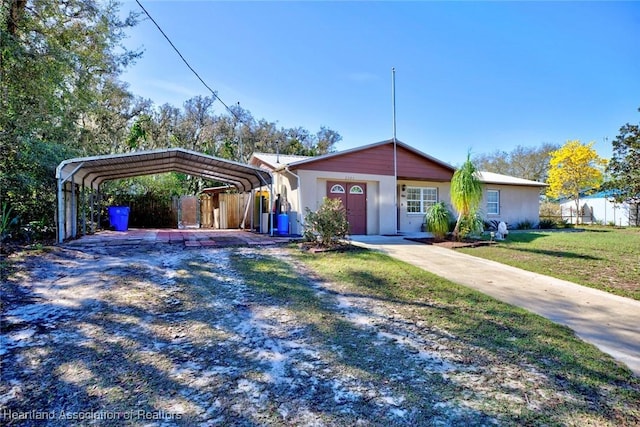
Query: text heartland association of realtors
(88, 415)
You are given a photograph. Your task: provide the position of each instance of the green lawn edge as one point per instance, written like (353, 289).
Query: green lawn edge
(603, 387)
(604, 258)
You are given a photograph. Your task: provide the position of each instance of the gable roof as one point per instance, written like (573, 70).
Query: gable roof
(92, 171)
(277, 162)
(496, 178)
(305, 160)
(376, 158)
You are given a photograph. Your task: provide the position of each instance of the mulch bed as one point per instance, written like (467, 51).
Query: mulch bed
(313, 247)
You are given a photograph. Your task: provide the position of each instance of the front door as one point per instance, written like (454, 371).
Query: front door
(354, 198)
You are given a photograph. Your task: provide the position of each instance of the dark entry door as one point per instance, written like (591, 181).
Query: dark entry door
(354, 198)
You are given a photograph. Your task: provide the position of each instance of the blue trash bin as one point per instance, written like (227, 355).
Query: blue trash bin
(119, 217)
(283, 224)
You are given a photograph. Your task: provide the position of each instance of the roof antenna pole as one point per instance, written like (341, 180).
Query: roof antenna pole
(395, 157)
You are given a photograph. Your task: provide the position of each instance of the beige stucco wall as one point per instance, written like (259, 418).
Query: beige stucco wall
(411, 222)
(286, 184)
(380, 201)
(517, 204)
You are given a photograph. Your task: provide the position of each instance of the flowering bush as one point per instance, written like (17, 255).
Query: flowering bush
(328, 224)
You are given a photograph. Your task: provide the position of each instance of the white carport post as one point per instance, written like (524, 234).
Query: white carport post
(60, 210)
(62, 200)
(74, 211)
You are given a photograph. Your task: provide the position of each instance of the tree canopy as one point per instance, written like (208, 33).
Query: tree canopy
(624, 167)
(61, 96)
(522, 162)
(197, 127)
(575, 168)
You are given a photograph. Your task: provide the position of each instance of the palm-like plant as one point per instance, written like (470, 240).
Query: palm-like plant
(437, 220)
(466, 193)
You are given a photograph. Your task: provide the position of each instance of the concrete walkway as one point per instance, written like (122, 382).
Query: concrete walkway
(610, 322)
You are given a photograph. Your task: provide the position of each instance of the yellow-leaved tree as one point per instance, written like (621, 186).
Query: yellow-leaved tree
(574, 168)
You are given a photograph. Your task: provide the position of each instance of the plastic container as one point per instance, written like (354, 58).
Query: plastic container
(119, 217)
(283, 224)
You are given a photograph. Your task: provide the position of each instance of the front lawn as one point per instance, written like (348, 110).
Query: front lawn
(255, 336)
(493, 338)
(604, 258)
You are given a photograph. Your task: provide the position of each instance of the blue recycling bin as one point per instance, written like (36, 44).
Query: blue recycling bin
(283, 224)
(119, 217)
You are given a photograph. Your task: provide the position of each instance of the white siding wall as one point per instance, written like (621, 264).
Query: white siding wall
(604, 210)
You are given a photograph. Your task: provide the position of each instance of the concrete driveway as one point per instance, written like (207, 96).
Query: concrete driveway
(609, 322)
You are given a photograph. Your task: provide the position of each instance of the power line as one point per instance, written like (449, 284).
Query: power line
(187, 63)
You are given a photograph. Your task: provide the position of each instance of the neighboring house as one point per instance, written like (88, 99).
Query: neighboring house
(383, 196)
(600, 208)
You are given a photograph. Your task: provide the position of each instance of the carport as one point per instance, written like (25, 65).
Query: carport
(79, 176)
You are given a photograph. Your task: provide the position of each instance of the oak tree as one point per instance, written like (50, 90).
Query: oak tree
(522, 162)
(624, 167)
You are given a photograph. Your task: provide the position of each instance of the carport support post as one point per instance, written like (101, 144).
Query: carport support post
(83, 203)
(253, 209)
(92, 201)
(100, 200)
(74, 211)
(61, 210)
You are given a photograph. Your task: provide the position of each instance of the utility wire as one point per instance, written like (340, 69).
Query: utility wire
(187, 63)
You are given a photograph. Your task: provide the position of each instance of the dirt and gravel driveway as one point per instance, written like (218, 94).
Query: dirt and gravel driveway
(169, 335)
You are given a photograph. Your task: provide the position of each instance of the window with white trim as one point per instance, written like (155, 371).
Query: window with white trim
(493, 202)
(419, 199)
(356, 189)
(337, 189)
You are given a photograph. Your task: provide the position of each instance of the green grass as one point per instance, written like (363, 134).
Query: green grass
(598, 388)
(605, 258)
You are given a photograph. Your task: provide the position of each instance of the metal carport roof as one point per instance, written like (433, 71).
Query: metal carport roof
(90, 172)
(93, 171)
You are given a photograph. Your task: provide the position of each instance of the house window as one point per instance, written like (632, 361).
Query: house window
(493, 202)
(337, 189)
(356, 189)
(419, 199)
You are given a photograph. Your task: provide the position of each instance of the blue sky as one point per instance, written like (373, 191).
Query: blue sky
(476, 76)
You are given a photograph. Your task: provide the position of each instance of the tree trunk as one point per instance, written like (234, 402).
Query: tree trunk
(456, 229)
(16, 9)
